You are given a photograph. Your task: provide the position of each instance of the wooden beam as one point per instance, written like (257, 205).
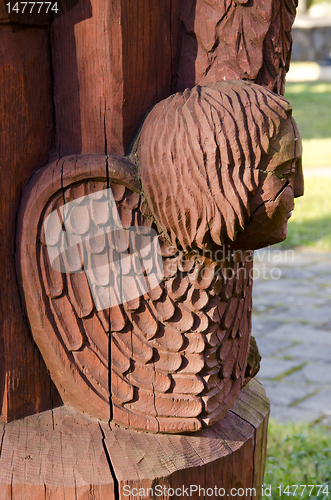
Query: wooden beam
(26, 135)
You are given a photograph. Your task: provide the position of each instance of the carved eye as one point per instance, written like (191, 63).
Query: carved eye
(286, 170)
(241, 1)
(285, 177)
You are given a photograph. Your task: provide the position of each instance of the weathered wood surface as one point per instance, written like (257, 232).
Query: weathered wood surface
(54, 455)
(109, 69)
(62, 454)
(220, 164)
(109, 65)
(26, 136)
(178, 353)
(240, 39)
(112, 62)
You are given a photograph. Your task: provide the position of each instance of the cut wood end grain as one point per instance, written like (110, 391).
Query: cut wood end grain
(62, 454)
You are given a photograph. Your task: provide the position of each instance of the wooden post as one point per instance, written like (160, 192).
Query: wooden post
(26, 139)
(90, 81)
(62, 454)
(109, 69)
(82, 86)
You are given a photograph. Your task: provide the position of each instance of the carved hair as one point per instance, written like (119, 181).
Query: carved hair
(198, 152)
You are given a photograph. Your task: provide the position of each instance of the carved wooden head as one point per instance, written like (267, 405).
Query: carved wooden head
(221, 164)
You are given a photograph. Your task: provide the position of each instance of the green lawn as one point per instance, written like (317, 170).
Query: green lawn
(298, 454)
(310, 224)
(311, 102)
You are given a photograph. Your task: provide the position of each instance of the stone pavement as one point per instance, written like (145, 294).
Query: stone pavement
(292, 326)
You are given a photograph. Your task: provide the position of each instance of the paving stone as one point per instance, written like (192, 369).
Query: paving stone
(262, 327)
(292, 318)
(298, 377)
(269, 299)
(260, 308)
(269, 346)
(323, 291)
(324, 326)
(285, 414)
(300, 333)
(303, 377)
(310, 352)
(318, 372)
(296, 273)
(274, 367)
(293, 287)
(290, 300)
(308, 299)
(323, 267)
(324, 280)
(285, 395)
(289, 257)
(283, 312)
(320, 402)
(309, 314)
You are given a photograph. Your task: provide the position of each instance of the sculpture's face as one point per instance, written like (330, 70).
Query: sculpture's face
(279, 182)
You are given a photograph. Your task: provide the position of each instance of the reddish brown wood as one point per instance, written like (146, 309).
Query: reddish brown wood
(178, 354)
(109, 69)
(177, 387)
(171, 368)
(26, 134)
(110, 64)
(221, 165)
(55, 455)
(239, 39)
(63, 454)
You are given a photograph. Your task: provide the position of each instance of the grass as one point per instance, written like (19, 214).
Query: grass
(298, 454)
(311, 102)
(310, 225)
(313, 2)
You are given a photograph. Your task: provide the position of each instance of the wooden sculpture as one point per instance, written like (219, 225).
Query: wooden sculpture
(83, 86)
(180, 193)
(214, 172)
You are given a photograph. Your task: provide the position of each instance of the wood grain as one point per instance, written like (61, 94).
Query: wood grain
(211, 161)
(62, 454)
(242, 40)
(54, 455)
(105, 97)
(169, 371)
(102, 56)
(26, 135)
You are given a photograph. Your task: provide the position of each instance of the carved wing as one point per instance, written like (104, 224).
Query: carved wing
(171, 358)
(72, 335)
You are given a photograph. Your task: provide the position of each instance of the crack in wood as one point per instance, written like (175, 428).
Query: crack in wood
(111, 467)
(2, 437)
